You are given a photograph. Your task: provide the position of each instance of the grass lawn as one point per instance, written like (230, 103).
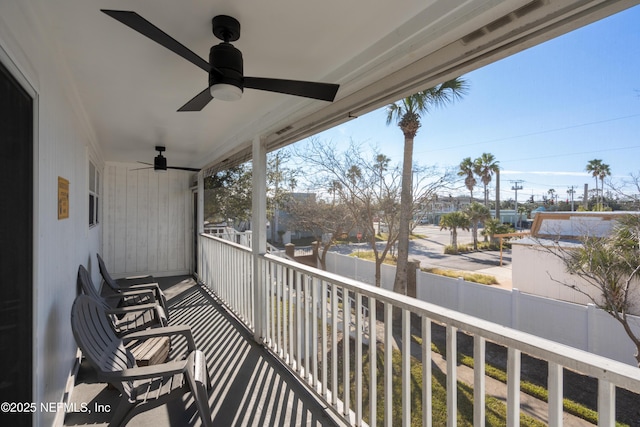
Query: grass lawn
(495, 411)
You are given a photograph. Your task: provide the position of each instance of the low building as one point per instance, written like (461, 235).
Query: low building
(537, 267)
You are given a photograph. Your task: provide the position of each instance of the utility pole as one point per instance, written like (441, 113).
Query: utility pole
(571, 191)
(516, 186)
(585, 199)
(498, 194)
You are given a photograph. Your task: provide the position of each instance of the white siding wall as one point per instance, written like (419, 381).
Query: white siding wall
(64, 143)
(148, 221)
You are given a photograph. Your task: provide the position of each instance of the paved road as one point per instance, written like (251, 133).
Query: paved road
(430, 252)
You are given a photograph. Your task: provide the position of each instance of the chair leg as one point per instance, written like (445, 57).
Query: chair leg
(198, 379)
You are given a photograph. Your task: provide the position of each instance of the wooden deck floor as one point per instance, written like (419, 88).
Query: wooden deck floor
(250, 388)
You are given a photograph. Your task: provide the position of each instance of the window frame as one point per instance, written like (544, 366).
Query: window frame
(94, 195)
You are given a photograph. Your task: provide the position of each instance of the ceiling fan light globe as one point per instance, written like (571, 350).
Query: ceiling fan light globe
(225, 92)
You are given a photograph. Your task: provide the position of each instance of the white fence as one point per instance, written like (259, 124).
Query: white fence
(581, 326)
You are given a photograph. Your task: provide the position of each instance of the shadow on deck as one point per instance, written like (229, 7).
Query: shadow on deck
(249, 386)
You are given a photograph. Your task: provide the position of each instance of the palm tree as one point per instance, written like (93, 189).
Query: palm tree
(493, 226)
(598, 170)
(406, 113)
(452, 221)
(485, 166)
(477, 213)
(334, 188)
(467, 169)
(522, 210)
(552, 193)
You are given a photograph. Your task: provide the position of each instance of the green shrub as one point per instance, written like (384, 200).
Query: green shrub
(483, 279)
(527, 387)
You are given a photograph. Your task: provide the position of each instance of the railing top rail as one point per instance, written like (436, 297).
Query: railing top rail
(618, 373)
(226, 242)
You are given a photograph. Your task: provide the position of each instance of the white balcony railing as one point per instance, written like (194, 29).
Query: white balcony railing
(299, 313)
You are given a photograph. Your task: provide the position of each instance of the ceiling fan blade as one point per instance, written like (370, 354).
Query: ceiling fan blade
(321, 91)
(184, 169)
(144, 27)
(145, 163)
(198, 102)
(139, 169)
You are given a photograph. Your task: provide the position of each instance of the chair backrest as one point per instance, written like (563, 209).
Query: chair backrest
(106, 276)
(98, 342)
(86, 284)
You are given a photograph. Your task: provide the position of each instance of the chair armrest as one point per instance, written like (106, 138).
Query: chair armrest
(151, 286)
(154, 287)
(131, 309)
(138, 292)
(146, 372)
(142, 293)
(142, 276)
(166, 331)
(158, 312)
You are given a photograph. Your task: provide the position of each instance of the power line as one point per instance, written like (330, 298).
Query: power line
(530, 134)
(570, 154)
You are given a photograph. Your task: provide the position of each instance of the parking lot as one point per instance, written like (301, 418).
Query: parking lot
(429, 250)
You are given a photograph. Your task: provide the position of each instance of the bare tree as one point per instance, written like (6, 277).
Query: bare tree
(357, 185)
(325, 221)
(627, 190)
(609, 267)
(368, 187)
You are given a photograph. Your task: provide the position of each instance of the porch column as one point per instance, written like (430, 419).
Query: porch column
(199, 226)
(258, 232)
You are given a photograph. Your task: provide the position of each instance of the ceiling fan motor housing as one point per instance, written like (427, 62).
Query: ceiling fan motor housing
(228, 60)
(160, 163)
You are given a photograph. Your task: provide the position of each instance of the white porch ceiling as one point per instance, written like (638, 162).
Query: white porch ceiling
(377, 50)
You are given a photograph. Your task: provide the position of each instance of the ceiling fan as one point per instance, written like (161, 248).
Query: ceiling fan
(225, 66)
(160, 162)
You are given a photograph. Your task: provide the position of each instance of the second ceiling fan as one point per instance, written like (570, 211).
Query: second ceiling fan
(225, 66)
(160, 163)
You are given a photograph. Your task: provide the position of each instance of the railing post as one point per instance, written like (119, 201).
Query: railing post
(554, 384)
(199, 226)
(452, 376)
(479, 381)
(513, 387)
(606, 404)
(427, 404)
(259, 233)
(290, 250)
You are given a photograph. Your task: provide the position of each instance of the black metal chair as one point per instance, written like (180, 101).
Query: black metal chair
(138, 386)
(131, 311)
(133, 283)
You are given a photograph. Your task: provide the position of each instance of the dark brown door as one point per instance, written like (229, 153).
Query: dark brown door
(16, 245)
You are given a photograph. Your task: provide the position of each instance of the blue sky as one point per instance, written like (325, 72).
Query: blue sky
(543, 113)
